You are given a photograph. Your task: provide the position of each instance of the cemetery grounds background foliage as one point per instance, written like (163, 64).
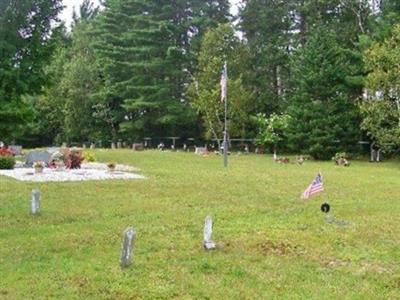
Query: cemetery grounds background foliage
(272, 244)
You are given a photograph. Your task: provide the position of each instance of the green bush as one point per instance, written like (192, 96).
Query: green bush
(89, 157)
(7, 162)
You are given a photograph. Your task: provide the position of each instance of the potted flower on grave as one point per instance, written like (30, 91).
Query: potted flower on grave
(57, 161)
(39, 166)
(111, 166)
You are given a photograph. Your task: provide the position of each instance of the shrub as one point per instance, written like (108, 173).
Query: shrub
(340, 155)
(89, 156)
(7, 162)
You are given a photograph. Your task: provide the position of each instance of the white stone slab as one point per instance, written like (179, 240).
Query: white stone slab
(28, 174)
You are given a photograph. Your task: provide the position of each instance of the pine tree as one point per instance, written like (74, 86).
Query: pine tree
(324, 115)
(267, 27)
(145, 51)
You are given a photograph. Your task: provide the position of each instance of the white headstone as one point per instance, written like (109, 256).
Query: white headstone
(208, 242)
(128, 244)
(35, 202)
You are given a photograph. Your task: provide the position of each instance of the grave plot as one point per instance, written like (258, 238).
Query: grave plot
(83, 174)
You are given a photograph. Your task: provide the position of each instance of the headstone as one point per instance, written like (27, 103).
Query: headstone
(161, 146)
(15, 149)
(137, 147)
(52, 150)
(35, 156)
(84, 146)
(64, 145)
(208, 242)
(185, 147)
(112, 145)
(35, 202)
(92, 146)
(119, 145)
(246, 149)
(124, 144)
(201, 151)
(128, 244)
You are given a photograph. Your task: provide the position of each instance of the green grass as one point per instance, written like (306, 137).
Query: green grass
(273, 246)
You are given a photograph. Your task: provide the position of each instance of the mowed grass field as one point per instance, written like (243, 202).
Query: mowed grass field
(272, 244)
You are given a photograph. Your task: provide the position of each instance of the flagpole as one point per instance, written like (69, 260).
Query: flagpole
(225, 119)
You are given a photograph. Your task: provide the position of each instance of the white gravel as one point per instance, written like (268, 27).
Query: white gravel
(86, 173)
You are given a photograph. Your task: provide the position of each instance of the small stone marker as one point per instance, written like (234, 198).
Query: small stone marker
(119, 144)
(35, 202)
(208, 243)
(127, 247)
(201, 151)
(113, 145)
(15, 149)
(92, 146)
(137, 147)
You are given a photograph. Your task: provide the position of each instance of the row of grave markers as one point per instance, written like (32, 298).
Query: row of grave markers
(129, 234)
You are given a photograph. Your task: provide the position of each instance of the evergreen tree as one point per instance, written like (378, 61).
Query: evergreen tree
(146, 58)
(324, 116)
(267, 27)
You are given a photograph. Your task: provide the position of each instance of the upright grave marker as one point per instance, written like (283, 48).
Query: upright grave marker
(35, 202)
(208, 242)
(128, 244)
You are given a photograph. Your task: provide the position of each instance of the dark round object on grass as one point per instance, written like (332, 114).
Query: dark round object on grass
(325, 207)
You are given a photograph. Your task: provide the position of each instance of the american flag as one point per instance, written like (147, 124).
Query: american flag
(224, 82)
(315, 187)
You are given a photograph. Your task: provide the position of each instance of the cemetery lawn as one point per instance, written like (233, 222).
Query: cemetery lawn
(273, 245)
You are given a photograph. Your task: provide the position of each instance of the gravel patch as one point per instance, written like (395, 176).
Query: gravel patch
(83, 174)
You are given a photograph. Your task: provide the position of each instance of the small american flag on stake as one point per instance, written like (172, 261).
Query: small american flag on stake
(315, 187)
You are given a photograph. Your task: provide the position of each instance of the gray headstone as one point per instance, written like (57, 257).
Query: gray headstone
(15, 149)
(35, 202)
(92, 146)
(35, 156)
(128, 244)
(137, 147)
(119, 145)
(112, 145)
(208, 242)
(52, 150)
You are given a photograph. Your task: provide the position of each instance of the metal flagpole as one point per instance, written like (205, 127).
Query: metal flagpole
(225, 120)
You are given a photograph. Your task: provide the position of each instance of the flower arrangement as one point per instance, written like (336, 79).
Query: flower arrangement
(111, 166)
(72, 158)
(39, 166)
(5, 152)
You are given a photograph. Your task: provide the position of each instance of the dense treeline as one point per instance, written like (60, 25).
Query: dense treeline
(139, 68)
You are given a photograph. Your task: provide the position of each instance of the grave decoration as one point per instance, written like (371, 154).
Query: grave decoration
(325, 207)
